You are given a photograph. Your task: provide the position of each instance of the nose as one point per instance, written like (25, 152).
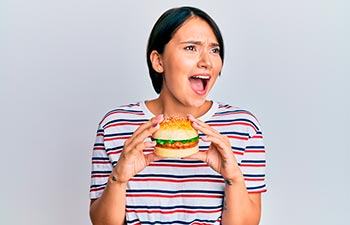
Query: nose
(205, 60)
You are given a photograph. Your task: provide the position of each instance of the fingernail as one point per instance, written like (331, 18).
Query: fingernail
(159, 117)
(190, 116)
(204, 137)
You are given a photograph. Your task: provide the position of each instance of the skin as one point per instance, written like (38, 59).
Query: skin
(193, 50)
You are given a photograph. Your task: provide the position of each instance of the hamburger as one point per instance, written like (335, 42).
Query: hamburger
(175, 138)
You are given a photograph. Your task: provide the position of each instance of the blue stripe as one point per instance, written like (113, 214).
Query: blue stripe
(180, 161)
(253, 161)
(171, 222)
(100, 158)
(254, 175)
(119, 134)
(114, 148)
(101, 172)
(99, 144)
(256, 187)
(237, 148)
(97, 185)
(255, 147)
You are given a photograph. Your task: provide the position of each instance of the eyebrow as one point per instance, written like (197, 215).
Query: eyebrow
(213, 44)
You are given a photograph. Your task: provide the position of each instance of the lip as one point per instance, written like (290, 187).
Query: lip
(205, 76)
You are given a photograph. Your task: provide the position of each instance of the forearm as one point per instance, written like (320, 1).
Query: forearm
(239, 208)
(109, 209)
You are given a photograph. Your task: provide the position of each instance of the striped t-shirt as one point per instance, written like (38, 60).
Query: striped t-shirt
(175, 191)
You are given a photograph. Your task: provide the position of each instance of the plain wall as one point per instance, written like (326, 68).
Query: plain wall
(64, 64)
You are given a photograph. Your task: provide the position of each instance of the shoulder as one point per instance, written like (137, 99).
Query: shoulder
(227, 115)
(132, 111)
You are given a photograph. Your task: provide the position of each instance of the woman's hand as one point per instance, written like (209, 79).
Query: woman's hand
(133, 160)
(219, 156)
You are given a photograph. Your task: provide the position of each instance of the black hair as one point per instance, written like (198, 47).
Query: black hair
(165, 27)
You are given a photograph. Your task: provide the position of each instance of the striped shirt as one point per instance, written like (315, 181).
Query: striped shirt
(175, 191)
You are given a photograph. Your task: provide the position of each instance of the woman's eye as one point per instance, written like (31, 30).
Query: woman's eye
(215, 50)
(190, 48)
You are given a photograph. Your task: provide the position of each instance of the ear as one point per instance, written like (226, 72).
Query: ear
(156, 60)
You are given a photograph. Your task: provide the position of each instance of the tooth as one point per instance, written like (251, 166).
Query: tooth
(201, 77)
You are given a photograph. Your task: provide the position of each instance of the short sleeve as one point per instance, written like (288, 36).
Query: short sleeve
(253, 163)
(101, 166)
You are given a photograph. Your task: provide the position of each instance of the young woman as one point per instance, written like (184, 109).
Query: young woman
(222, 183)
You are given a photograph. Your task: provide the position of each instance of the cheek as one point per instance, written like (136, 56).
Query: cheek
(218, 65)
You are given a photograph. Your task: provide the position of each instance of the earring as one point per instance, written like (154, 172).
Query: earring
(159, 69)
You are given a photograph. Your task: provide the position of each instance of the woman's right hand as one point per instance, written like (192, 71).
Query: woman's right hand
(132, 159)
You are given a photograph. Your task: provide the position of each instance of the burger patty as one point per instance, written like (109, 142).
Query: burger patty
(177, 144)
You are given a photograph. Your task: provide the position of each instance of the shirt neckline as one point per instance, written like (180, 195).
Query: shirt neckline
(204, 117)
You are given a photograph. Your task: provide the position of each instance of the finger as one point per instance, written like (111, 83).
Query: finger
(201, 126)
(153, 122)
(146, 129)
(136, 148)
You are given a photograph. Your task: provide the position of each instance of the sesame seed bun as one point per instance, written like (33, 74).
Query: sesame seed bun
(175, 138)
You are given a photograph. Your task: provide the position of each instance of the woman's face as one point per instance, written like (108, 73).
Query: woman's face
(191, 63)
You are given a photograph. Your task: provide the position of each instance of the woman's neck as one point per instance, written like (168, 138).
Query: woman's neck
(168, 108)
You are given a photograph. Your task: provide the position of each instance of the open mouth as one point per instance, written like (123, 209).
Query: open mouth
(199, 83)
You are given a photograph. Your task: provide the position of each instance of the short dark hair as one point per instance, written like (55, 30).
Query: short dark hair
(165, 27)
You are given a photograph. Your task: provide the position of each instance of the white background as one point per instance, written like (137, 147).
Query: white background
(64, 64)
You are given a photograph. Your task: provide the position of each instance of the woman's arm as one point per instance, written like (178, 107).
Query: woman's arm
(240, 207)
(110, 207)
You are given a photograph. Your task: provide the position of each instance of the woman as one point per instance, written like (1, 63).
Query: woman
(222, 183)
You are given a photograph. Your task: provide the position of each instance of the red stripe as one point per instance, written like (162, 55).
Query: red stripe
(99, 175)
(99, 148)
(174, 196)
(253, 165)
(254, 151)
(96, 189)
(117, 138)
(121, 112)
(253, 192)
(178, 165)
(114, 152)
(119, 151)
(238, 153)
(254, 179)
(238, 137)
(233, 123)
(100, 162)
(258, 136)
(173, 211)
(177, 181)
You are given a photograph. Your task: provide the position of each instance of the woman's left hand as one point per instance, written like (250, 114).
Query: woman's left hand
(219, 156)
